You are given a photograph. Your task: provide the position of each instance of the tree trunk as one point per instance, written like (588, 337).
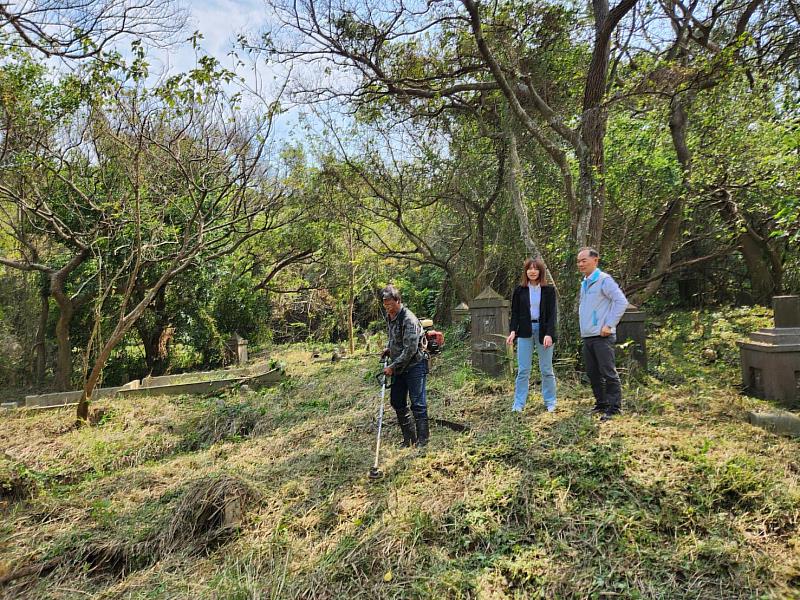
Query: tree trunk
(40, 347)
(672, 229)
(351, 335)
(123, 325)
(105, 352)
(674, 218)
(64, 353)
(66, 307)
(459, 287)
(444, 304)
(149, 339)
(591, 159)
(156, 342)
(594, 119)
(514, 176)
(763, 267)
(156, 336)
(764, 282)
(351, 290)
(591, 180)
(94, 375)
(479, 283)
(588, 145)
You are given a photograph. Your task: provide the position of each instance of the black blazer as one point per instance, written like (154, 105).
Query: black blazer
(521, 313)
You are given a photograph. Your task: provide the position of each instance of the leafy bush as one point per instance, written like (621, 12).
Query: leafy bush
(12, 361)
(15, 482)
(685, 345)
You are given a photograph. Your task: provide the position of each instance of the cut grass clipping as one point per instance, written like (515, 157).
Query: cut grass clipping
(207, 514)
(677, 498)
(224, 420)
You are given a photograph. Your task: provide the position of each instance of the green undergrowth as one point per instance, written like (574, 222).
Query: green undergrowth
(696, 345)
(678, 498)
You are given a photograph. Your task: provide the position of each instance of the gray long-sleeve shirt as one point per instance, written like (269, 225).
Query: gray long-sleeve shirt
(602, 303)
(404, 334)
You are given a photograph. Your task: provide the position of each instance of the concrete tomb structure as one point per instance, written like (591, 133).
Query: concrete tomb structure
(460, 313)
(167, 385)
(236, 350)
(489, 312)
(771, 357)
(632, 327)
(781, 423)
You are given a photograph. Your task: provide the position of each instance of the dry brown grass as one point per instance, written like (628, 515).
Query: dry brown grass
(209, 512)
(676, 499)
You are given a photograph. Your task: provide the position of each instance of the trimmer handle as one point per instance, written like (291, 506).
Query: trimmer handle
(380, 376)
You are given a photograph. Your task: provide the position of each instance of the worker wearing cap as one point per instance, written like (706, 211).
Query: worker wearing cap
(408, 368)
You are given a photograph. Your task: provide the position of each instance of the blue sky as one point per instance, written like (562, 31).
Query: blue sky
(221, 22)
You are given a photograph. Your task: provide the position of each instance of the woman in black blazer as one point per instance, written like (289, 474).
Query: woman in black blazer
(533, 324)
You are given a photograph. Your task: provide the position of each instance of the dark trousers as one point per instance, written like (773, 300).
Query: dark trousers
(411, 384)
(599, 359)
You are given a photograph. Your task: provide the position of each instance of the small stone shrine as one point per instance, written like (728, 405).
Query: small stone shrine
(460, 313)
(632, 327)
(236, 349)
(489, 313)
(771, 357)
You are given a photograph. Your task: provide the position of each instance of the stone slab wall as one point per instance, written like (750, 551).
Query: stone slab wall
(134, 389)
(66, 398)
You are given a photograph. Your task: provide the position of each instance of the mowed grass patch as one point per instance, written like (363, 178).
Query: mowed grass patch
(676, 499)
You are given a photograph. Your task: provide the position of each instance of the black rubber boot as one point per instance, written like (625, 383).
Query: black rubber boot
(406, 422)
(423, 434)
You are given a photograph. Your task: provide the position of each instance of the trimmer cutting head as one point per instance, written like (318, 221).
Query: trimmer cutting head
(375, 473)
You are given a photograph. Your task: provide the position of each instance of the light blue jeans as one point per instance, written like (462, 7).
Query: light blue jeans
(524, 360)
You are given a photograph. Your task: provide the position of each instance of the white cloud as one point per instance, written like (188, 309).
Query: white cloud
(219, 22)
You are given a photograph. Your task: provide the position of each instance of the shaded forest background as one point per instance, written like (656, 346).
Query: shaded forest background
(145, 217)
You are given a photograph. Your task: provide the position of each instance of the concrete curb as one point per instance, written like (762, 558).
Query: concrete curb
(784, 423)
(138, 390)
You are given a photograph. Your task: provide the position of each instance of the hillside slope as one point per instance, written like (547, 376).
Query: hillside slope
(265, 494)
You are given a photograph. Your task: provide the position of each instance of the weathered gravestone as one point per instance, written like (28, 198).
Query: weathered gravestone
(771, 357)
(632, 327)
(460, 313)
(489, 314)
(236, 348)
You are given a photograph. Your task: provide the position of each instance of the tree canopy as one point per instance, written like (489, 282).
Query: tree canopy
(145, 218)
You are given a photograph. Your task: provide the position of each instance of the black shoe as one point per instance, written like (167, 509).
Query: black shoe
(406, 422)
(423, 433)
(607, 416)
(599, 410)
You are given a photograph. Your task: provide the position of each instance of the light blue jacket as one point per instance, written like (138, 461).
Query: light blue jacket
(601, 303)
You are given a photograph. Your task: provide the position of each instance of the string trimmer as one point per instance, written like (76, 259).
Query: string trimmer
(375, 472)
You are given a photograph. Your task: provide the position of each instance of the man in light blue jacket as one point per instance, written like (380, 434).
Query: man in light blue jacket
(602, 305)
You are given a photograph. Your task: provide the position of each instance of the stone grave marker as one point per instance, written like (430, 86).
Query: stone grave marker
(770, 358)
(489, 313)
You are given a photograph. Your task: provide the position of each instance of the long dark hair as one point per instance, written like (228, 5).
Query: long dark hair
(539, 264)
